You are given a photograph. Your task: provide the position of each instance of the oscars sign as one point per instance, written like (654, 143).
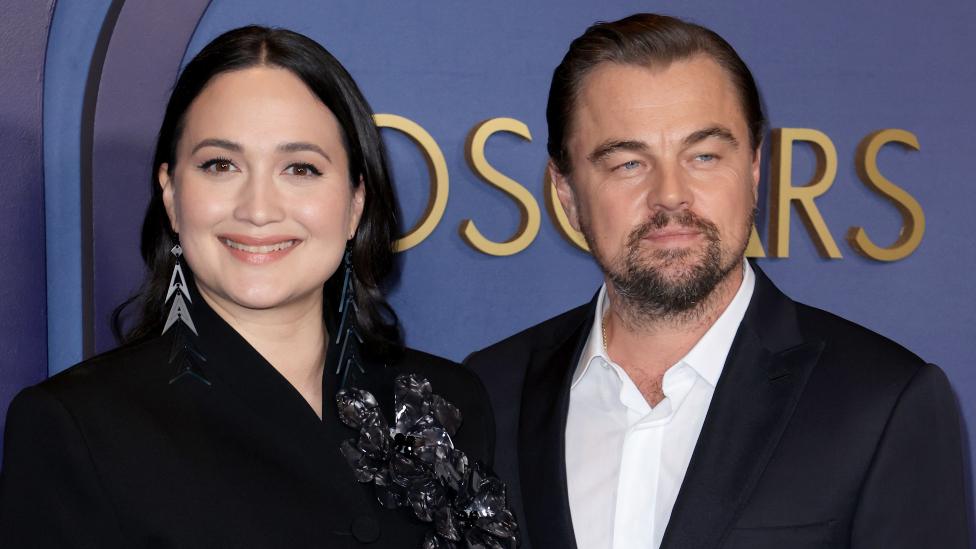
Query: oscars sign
(784, 195)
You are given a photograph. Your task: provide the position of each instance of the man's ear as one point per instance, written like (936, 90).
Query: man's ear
(564, 191)
(166, 184)
(756, 169)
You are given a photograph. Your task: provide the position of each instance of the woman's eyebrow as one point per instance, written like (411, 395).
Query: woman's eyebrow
(303, 146)
(219, 143)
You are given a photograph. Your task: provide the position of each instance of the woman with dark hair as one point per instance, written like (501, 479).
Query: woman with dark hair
(263, 375)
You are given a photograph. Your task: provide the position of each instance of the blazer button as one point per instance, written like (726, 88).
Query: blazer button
(365, 529)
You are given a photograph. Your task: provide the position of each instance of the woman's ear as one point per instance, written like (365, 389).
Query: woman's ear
(356, 207)
(166, 184)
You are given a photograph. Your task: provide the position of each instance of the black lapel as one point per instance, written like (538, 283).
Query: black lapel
(278, 421)
(764, 375)
(542, 437)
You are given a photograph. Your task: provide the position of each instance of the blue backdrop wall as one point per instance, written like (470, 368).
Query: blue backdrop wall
(437, 71)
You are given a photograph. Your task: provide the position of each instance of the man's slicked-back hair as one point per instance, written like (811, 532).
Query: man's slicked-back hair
(643, 39)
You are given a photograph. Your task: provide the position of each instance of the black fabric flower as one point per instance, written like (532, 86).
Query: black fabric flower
(414, 464)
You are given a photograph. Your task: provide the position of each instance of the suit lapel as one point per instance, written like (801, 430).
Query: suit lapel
(542, 440)
(254, 403)
(764, 375)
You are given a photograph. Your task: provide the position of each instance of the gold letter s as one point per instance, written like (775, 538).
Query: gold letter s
(529, 226)
(913, 226)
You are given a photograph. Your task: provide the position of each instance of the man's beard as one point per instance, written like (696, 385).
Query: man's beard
(643, 284)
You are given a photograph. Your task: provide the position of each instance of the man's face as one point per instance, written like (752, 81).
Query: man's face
(663, 182)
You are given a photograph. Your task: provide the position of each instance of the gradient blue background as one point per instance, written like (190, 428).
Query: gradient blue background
(84, 84)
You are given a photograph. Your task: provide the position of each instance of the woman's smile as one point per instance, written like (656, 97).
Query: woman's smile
(259, 250)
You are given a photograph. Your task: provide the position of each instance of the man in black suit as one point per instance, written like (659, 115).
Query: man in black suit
(690, 404)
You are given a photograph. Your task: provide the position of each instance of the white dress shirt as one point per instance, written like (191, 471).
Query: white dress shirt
(625, 461)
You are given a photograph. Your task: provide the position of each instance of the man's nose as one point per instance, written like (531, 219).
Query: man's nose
(669, 190)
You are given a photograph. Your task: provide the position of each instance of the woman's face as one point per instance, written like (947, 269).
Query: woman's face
(260, 194)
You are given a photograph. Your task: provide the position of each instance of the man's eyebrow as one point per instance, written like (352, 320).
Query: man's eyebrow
(303, 146)
(219, 143)
(607, 148)
(717, 132)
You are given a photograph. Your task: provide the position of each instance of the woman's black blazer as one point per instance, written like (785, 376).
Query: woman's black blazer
(111, 454)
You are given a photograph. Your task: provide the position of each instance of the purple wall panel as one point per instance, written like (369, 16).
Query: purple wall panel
(23, 294)
(131, 98)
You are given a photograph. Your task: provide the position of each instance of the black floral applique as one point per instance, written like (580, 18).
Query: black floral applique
(414, 464)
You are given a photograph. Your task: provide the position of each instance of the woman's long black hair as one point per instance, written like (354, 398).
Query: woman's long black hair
(371, 247)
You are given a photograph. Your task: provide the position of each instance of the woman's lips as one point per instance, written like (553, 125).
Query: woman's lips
(259, 250)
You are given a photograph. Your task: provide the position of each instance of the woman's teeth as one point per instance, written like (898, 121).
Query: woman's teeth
(266, 249)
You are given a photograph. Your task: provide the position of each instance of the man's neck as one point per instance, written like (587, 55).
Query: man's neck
(646, 347)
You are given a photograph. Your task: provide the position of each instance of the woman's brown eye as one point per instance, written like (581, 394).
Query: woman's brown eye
(303, 170)
(223, 166)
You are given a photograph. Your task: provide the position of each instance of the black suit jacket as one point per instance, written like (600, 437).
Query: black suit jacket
(109, 454)
(820, 434)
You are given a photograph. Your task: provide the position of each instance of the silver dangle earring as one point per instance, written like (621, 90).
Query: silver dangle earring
(348, 368)
(184, 352)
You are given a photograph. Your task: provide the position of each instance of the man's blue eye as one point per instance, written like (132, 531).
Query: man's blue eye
(630, 165)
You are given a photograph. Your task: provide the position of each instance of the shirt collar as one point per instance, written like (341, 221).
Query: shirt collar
(594, 343)
(707, 357)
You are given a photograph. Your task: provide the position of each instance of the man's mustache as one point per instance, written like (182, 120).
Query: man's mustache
(684, 218)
